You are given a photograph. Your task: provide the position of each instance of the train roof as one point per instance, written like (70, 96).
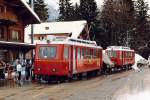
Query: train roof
(71, 41)
(121, 48)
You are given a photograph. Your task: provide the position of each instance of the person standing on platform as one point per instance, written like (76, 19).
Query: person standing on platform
(28, 68)
(19, 69)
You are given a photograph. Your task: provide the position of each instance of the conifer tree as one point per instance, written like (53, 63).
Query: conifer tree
(117, 21)
(142, 28)
(41, 9)
(66, 10)
(89, 12)
(77, 14)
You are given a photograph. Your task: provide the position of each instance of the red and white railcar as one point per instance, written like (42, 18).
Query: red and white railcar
(121, 56)
(67, 58)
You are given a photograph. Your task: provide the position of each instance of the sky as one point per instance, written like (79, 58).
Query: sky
(54, 3)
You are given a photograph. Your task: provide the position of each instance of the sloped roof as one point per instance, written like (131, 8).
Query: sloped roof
(30, 10)
(72, 27)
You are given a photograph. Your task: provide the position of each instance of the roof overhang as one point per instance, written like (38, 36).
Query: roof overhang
(7, 22)
(31, 11)
(24, 47)
(23, 10)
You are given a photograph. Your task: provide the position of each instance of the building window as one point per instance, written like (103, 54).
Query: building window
(39, 38)
(2, 9)
(15, 35)
(1, 33)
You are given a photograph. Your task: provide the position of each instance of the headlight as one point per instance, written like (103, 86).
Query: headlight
(39, 69)
(53, 70)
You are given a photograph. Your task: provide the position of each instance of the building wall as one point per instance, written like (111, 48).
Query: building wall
(41, 37)
(11, 30)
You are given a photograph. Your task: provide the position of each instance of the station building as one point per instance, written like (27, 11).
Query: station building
(15, 15)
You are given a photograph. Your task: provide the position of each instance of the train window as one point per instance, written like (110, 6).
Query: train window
(121, 56)
(47, 52)
(109, 53)
(94, 53)
(87, 54)
(79, 53)
(91, 53)
(98, 54)
(112, 53)
(66, 53)
(128, 54)
(82, 53)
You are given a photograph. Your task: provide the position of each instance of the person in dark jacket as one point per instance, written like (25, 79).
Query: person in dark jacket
(28, 67)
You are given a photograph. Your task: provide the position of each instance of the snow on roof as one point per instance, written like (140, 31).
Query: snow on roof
(30, 10)
(119, 48)
(71, 27)
(70, 41)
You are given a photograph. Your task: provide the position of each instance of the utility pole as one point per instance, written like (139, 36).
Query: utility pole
(127, 41)
(128, 37)
(32, 27)
(32, 31)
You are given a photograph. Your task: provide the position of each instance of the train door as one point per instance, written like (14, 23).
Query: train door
(70, 59)
(74, 60)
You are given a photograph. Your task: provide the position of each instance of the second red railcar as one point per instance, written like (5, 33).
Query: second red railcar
(122, 57)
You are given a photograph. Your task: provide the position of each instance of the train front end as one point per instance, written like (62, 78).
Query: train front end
(48, 61)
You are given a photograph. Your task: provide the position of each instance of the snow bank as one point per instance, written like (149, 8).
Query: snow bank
(106, 59)
(139, 60)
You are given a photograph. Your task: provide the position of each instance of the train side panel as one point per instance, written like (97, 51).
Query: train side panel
(88, 59)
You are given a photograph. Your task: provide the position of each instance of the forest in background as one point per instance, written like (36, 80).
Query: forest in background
(117, 23)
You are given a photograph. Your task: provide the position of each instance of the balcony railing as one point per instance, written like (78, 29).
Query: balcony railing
(8, 17)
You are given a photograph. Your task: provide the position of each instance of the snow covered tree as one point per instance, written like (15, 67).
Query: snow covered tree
(89, 12)
(66, 10)
(77, 13)
(41, 9)
(117, 21)
(142, 28)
